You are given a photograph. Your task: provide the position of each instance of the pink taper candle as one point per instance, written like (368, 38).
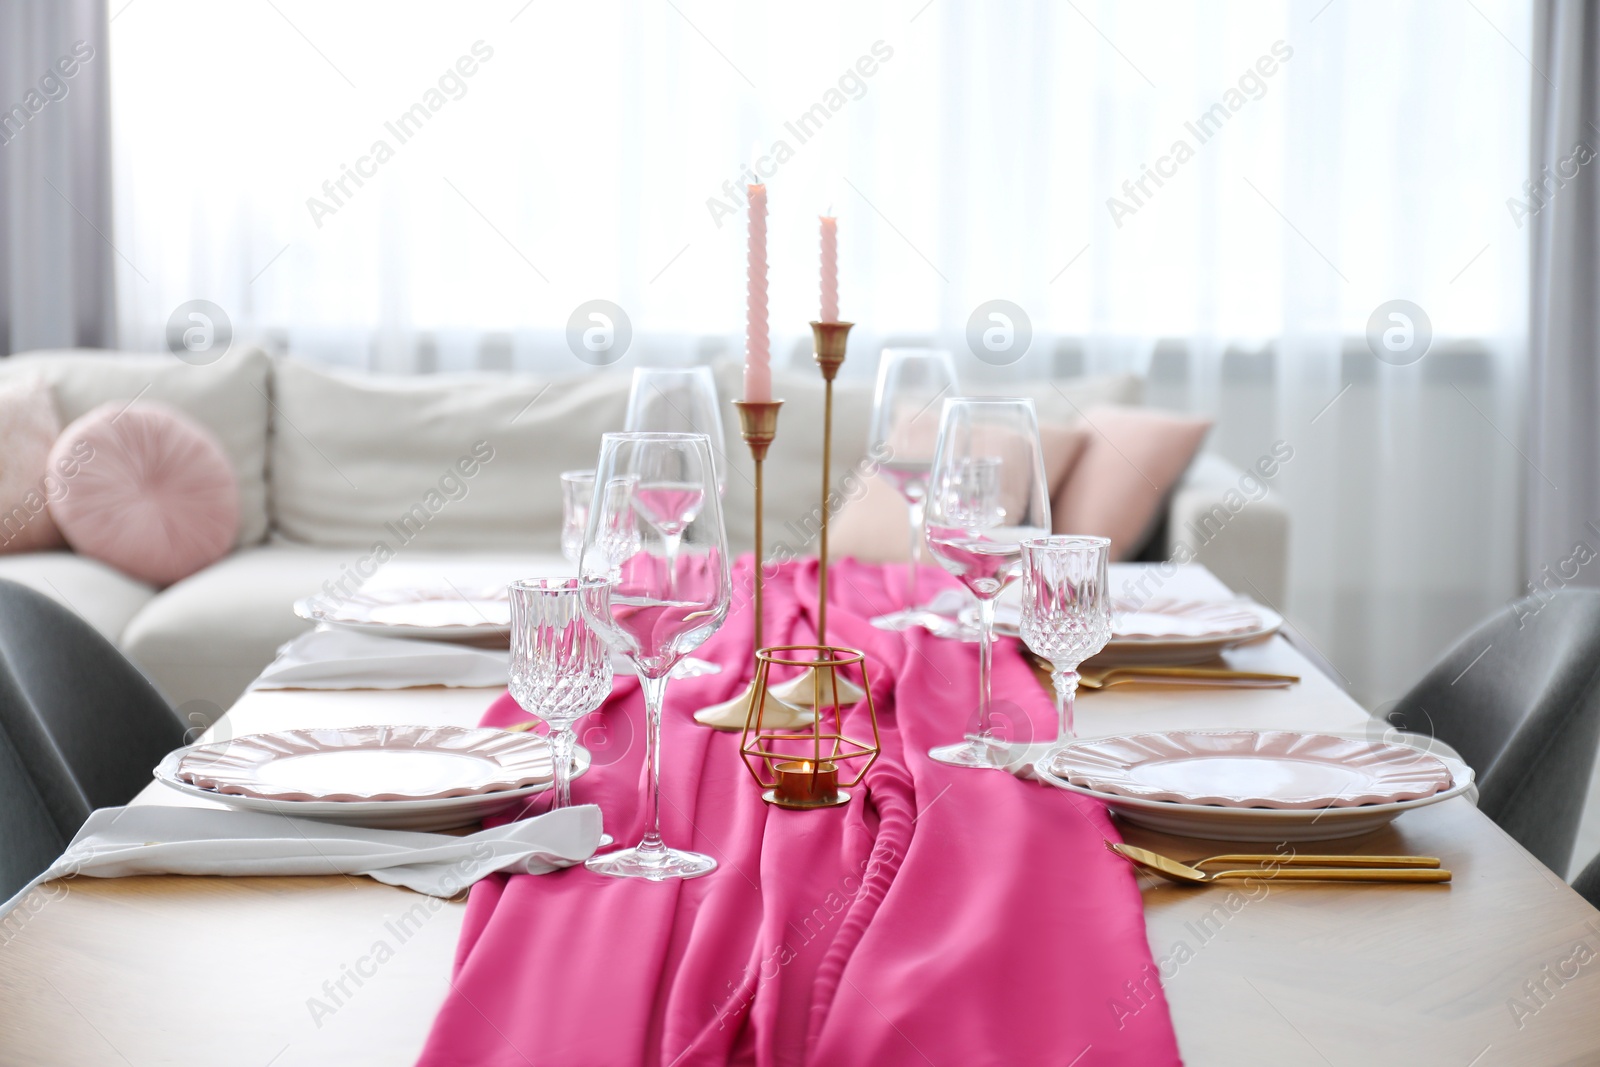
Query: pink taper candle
(830, 269)
(757, 355)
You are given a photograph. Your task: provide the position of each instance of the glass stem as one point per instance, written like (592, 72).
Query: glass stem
(561, 741)
(985, 665)
(654, 693)
(1066, 683)
(671, 545)
(917, 510)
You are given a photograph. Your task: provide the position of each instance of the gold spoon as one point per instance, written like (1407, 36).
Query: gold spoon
(1182, 873)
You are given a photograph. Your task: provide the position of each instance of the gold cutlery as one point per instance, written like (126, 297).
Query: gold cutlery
(1184, 874)
(1222, 677)
(517, 726)
(1218, 676)
(1303, 860)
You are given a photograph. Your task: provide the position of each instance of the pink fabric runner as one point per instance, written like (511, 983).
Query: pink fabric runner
(944, 916)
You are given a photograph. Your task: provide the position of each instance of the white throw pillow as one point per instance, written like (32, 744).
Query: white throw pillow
(228, 397)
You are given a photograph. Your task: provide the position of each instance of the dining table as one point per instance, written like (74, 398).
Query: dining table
(1500, 966)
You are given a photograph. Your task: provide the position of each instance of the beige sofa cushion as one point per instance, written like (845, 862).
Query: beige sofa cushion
(203, 640)
(457, 461)
(101, 595)
(228, 397)
(359, 459)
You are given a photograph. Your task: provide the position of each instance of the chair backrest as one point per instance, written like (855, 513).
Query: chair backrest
(1519, 698)
(87, 727)
(29, 838)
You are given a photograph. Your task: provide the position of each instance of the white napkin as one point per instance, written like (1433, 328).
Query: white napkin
(330, 658)
(152, 839)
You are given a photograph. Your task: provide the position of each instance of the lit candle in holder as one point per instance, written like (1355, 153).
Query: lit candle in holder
(804, 784)
(757, 354)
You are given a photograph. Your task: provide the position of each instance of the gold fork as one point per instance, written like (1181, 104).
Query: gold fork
(1173, 871)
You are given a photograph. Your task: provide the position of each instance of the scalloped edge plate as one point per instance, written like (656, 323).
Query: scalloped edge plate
(444, 813)
(1282, 769)
(1264, 824)
(476, 760)
(424, 618)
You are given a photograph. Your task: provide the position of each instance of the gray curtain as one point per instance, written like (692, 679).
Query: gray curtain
(56, 257)
(1562, 205)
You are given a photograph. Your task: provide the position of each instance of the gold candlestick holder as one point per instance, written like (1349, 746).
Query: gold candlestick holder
(799, 769)
(758, 424)
(829, 340)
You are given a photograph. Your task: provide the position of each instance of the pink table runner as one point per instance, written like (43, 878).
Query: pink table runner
(945, 916)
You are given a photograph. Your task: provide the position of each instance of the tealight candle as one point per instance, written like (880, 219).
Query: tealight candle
(804, 784)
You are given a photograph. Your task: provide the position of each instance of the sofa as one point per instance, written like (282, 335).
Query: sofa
(337, 470)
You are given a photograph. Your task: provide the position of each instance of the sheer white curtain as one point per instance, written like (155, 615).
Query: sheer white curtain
(1335, 156)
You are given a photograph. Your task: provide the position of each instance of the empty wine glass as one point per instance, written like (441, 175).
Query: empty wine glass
(560, 668)
(678, 400)
(912, 383)
(577, 489)
(651, 606)
(1066, 611)
(987, 494)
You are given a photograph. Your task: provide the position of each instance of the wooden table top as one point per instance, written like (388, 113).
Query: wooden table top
(1496, 968)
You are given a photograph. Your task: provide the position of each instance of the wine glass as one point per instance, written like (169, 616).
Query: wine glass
(560, 668)
(651, 602)
(987, 494)
(1066, 611)
(577, 489)
(912, 383)
(678, 400)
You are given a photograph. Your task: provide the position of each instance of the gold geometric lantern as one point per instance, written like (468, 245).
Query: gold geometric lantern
(799, 767)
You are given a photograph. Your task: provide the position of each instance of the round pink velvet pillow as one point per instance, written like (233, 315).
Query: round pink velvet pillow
(153, 493)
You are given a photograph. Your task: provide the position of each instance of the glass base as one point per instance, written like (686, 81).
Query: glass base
(899, 620)
(657, 864)
(689, 667)
(973, 752)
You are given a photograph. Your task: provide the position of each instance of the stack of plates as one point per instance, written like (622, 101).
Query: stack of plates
(385, 777)
(1167, 631)
(1255, 785)
(416, 613)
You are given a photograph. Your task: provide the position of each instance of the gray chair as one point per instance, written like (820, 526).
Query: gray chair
(85, 728)
(1587, 884)
(1519, 698)
(29, 839)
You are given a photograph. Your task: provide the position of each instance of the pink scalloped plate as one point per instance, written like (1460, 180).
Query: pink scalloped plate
(1252, 769)
(368, 763)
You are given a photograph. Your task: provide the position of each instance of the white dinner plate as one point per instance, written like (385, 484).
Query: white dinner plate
(1262, 824)
(477, 620)
(452, 777)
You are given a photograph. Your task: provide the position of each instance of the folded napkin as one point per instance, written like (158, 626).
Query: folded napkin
(328, 658)
(152, 839)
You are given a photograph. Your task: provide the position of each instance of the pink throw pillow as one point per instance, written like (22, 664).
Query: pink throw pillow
(875, 527)
(28, 427)
(154, 495)
(1134, 458)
